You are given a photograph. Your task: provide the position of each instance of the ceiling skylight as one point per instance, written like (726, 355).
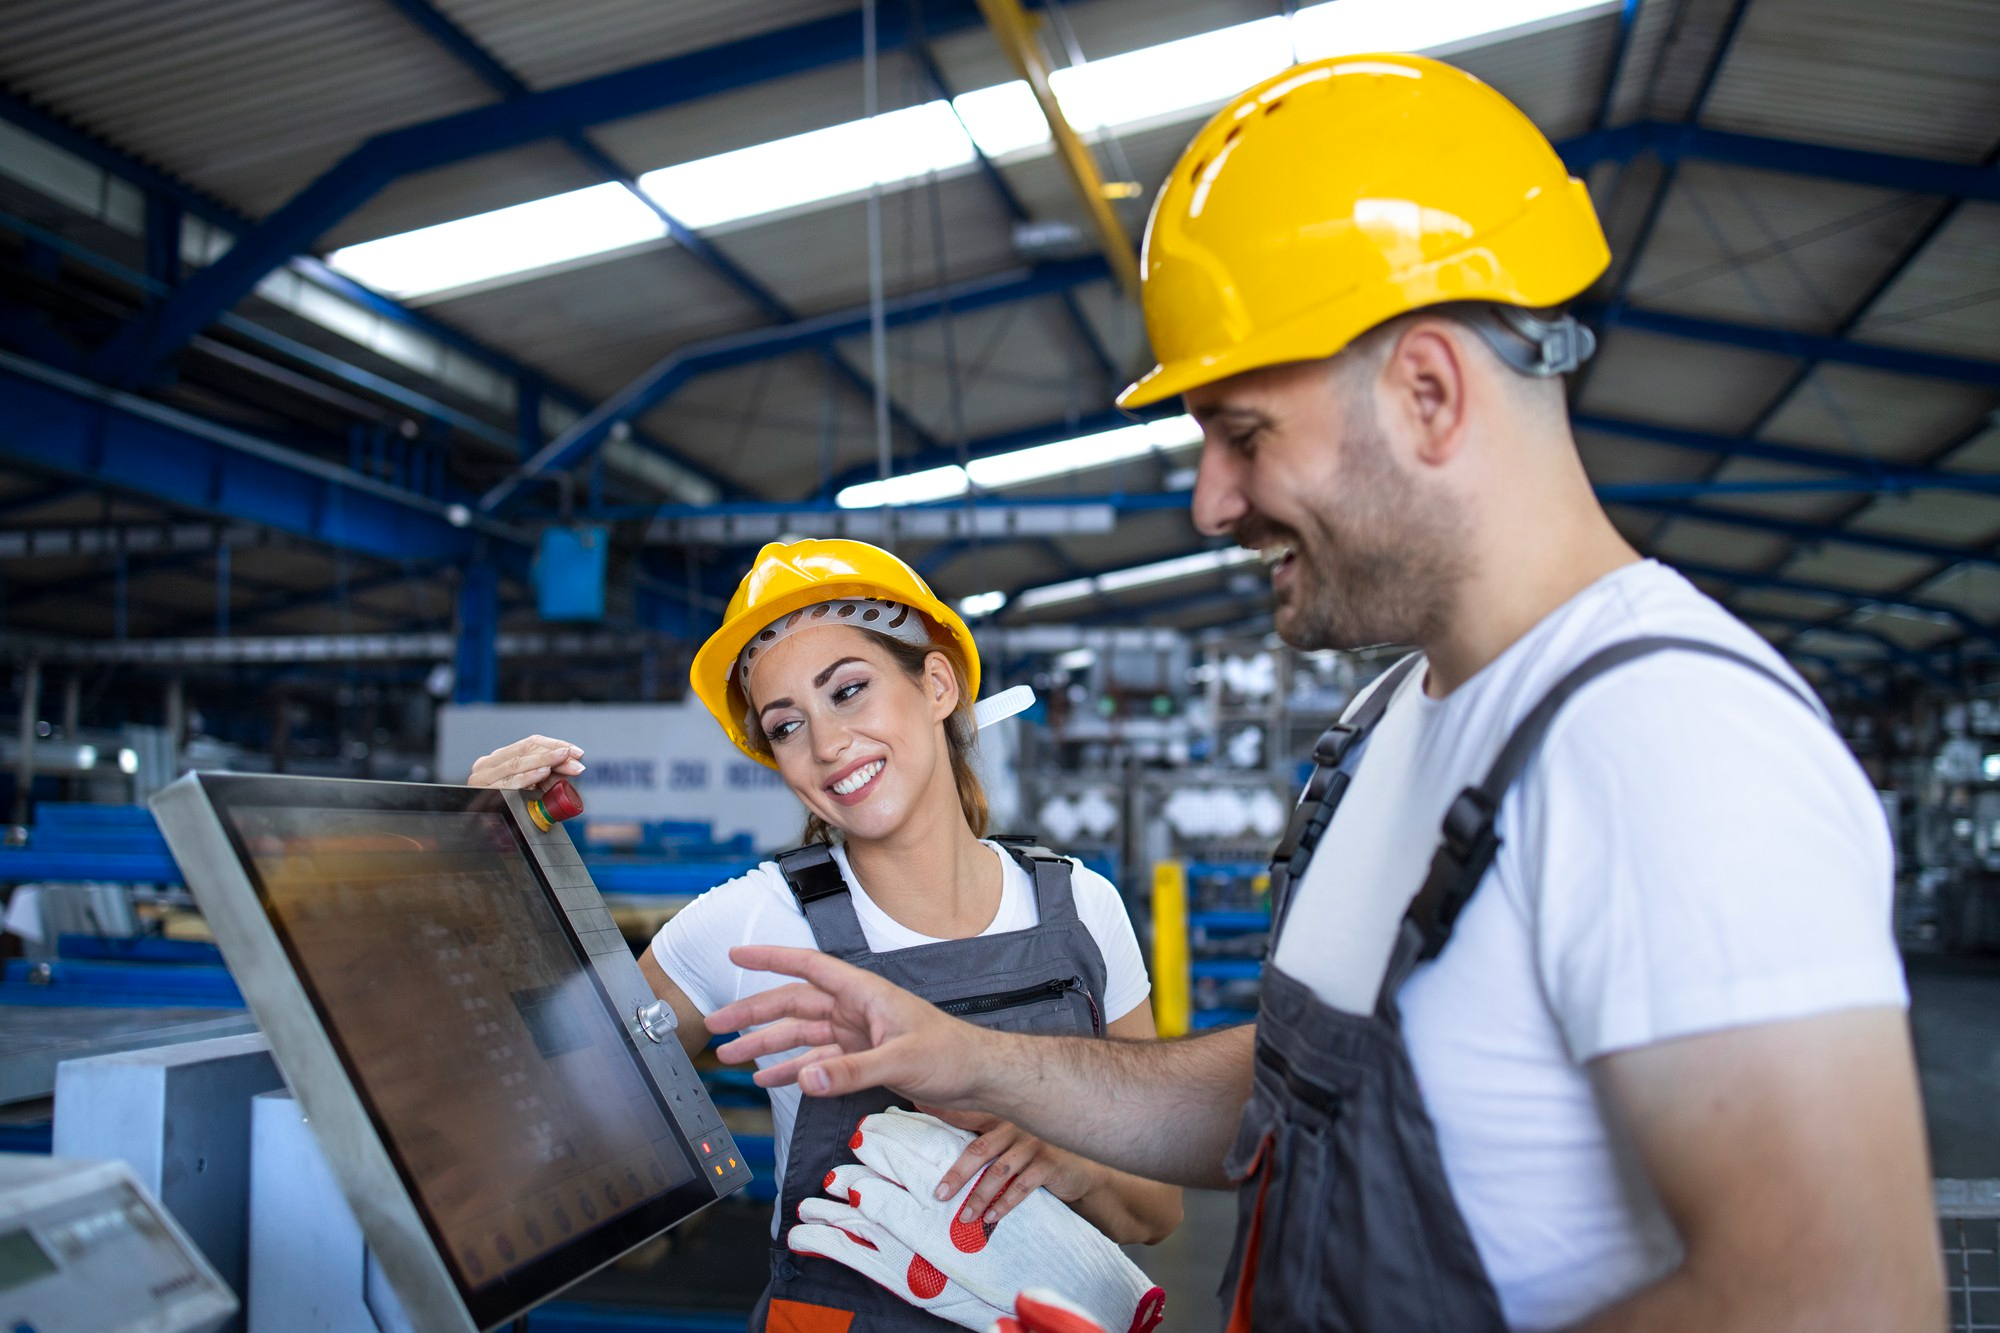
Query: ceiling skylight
(1178, 80)
(1024, 466)
(1139, 576)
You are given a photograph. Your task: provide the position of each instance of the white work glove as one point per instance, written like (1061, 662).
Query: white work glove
(1044, 1312)
(1040, 1244)
(839, 1232)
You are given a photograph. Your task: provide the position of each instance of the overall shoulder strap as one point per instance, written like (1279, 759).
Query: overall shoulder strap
(815, 880)
(1335, 756)
(1469, 842)
(1055, 900)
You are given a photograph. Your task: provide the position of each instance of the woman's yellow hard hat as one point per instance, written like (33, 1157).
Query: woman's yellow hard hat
(788, 577)
(1341, 194)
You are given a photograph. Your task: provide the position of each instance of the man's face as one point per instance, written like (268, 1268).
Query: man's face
(1297, 464)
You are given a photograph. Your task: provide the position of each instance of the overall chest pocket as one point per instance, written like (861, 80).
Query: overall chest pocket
(1042, 1006)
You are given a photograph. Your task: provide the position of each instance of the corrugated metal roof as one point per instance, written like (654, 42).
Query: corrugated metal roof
(1771, 249)
(1849, 409)
(1848, 566)
(1718, 544)
(1946, 301)
(1646, 376)
(548, 45)
(252, 101)
(1912, 78)
(245, 99)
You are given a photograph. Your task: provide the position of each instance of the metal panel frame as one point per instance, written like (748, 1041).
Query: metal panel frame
(389, 1217)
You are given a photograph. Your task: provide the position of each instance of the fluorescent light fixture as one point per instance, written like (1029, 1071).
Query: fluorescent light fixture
(1139, 576)
(1023, 467)
(1158, 85)
(981, 604)
(533, 235)
(1076, 659)
(128, 761)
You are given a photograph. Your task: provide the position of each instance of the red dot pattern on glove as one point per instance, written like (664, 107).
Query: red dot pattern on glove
(971, 1237)
(855, 1142)
(924, 1279)
(827, 1184)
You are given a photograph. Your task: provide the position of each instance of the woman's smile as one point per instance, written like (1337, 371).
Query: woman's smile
(857, 781)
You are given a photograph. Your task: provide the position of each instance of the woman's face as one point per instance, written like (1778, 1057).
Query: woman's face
(853, 735)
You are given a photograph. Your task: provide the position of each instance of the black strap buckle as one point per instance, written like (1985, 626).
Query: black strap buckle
(1464, 855)
(1333, 744)
(810, 873)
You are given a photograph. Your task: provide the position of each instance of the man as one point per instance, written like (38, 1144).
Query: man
(1650, 1070)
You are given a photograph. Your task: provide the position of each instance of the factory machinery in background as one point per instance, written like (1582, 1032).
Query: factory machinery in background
(1172, 767)
(1938, 766)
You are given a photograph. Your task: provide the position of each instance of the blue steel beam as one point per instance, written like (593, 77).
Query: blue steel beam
(193, 203)
(1673, 143)
(1882, 477)
(1817, 533)
(70, 426)
(1890, 476)
(1905, 361)
(1850, 598)
(357, 177)
(736, 349)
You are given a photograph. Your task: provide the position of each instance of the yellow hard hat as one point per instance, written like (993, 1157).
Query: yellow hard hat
(1343, 193)
(788, 577)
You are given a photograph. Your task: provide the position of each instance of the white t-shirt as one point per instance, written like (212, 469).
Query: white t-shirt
(1692, 849)
(757, 908)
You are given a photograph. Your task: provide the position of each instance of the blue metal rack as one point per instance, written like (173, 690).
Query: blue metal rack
(71, 983)
(121, 844)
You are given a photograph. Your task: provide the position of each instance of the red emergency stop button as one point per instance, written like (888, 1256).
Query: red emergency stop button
(553, 806)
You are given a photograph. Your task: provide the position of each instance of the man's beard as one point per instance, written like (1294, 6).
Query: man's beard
(1379, 561)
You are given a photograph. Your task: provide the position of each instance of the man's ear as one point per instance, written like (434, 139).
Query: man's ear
(1426, 379)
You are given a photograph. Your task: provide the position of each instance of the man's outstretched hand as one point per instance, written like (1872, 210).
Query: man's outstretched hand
(860, 1031)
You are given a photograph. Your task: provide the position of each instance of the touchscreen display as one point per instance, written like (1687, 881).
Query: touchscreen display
(469, 1022)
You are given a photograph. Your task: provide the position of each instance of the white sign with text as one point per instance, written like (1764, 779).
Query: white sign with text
(642, 761)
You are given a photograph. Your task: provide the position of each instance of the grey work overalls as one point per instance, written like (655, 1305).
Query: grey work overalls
(1048, 978)
(1346, 1222)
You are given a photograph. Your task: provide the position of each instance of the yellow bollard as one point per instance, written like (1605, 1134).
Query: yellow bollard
(1172, 1004)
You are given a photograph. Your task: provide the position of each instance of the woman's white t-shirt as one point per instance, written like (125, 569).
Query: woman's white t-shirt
(758, 908)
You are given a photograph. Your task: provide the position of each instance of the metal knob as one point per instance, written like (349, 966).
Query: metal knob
(656, 1020)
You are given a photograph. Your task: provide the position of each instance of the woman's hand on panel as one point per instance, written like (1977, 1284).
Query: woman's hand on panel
(527, 763)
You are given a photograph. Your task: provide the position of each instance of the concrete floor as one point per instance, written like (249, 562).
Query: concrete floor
(1955, 1019)
(1188, 1264)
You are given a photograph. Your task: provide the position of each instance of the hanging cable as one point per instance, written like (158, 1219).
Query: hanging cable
(878, 326)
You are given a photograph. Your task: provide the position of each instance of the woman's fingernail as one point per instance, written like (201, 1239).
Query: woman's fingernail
(580, 765)
(965, 1215)
(991, 1217)
(942, 1192)
(814, 1080)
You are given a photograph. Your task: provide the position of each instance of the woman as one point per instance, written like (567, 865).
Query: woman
(837, 666)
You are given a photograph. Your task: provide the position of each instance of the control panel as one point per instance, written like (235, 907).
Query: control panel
(85, 1249)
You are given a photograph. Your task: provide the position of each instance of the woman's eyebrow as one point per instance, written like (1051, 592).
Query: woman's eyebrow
(825, 675)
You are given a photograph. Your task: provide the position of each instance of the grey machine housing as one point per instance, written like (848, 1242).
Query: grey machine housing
(391, 1219)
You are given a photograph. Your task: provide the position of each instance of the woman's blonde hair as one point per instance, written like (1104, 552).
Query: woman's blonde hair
(961, 735)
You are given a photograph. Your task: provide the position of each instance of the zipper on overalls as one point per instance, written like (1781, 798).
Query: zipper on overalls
(1014, 999)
